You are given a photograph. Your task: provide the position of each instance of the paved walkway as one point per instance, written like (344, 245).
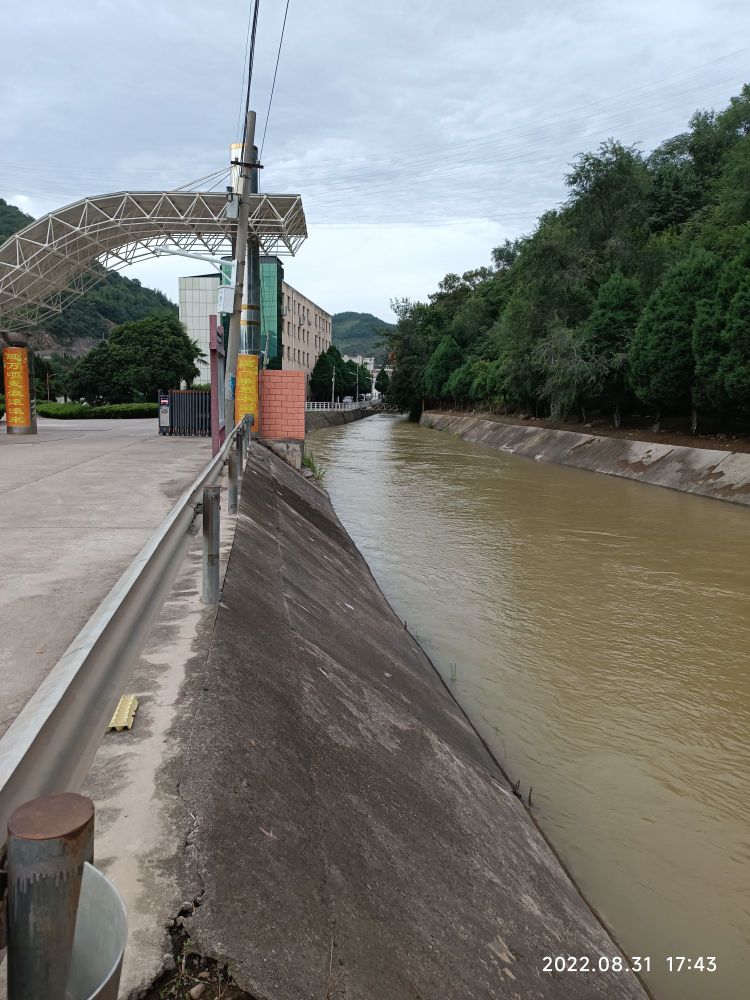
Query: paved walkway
(77, 502)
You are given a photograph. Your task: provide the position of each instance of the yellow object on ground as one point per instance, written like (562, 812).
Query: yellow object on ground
(124, 713)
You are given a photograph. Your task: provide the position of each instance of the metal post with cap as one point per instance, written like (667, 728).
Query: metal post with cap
(49, 840)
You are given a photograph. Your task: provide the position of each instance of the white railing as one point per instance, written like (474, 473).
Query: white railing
(333, 406)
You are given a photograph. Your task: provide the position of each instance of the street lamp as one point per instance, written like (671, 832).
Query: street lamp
(333, 382)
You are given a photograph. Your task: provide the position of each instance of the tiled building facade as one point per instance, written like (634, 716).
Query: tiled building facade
(306, 331)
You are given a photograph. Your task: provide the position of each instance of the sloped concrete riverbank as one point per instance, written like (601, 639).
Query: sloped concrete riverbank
(351, 836)
(718, 474)
(317, 419)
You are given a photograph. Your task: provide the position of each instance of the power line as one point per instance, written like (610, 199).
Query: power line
(273, 85)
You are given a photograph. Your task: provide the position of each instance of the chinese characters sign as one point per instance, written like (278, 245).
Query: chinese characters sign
(17, 395)
(246, 393)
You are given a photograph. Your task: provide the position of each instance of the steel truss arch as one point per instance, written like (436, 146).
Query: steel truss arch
(54, 259)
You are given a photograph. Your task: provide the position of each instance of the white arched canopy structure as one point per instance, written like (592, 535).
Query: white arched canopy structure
(51, 260)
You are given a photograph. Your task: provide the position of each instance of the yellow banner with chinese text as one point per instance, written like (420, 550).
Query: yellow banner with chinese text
(17, 395)
(246, 391)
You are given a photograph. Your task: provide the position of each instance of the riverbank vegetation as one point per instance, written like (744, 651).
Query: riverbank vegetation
(631, 297)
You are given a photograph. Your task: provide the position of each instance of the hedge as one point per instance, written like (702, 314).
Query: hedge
(79, 411)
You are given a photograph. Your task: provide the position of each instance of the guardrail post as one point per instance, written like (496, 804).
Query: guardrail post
(233, 491)
(211, 537)
(240, 446)
(49, 839)
(249, 421)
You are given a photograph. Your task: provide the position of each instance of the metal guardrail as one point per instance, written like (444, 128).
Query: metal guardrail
(50, 745)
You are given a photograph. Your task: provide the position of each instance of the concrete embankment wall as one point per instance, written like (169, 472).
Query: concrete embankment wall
(723, 475)
(316, 419)
(352, 836)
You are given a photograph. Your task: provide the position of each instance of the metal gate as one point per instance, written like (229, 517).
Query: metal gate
(189, 412)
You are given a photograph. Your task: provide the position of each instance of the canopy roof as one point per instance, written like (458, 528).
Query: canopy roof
(52, 259)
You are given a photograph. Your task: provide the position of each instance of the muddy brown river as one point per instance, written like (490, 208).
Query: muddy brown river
(597, 632)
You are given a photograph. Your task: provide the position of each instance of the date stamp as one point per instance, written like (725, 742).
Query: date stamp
(632, 963)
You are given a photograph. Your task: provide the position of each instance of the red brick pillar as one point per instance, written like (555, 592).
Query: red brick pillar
(282, 405)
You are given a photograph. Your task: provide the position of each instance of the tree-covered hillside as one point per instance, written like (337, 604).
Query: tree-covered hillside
(357, 333)
(114, 300)
(632, 297)
(11, 220)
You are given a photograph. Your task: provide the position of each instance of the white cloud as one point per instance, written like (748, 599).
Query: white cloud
(408, 116)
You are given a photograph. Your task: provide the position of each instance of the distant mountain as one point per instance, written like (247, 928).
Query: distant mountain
(88, 319)
(360, 333)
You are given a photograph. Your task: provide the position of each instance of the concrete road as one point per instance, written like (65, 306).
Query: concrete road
(77, 502)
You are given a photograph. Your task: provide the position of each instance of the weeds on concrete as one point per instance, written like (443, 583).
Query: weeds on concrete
(308, 462)
(453, 673)
(194, 977)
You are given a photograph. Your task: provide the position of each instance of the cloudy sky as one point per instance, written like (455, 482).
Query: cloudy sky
(420, 135)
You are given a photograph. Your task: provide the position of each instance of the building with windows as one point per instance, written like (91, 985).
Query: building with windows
(307, 331)
(197, 302)
(294, 330)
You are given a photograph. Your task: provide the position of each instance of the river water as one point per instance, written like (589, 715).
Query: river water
(597, 633)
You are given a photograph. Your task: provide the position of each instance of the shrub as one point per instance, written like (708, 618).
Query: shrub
(80, 411)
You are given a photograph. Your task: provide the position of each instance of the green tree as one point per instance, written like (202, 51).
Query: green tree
(321, 378)
(734, 368)
(460, 381)
(382, 381)
(608, 207)
(661, 363)
(11, 220)
(410, 345)
(609, 332)
(135, 362)
(444, 360)
(570, 370)
(557, 321)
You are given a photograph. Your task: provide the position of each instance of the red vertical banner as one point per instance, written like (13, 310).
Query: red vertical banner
(17, 389)
(246, 392)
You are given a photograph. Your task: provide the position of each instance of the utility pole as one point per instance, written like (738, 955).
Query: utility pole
(333, 382)
(356, 397)
(246, 277)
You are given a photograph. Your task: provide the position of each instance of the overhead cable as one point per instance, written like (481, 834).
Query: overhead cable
(273, 84)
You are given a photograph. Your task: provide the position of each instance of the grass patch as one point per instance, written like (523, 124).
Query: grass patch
(112, 411)
(308, 462)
